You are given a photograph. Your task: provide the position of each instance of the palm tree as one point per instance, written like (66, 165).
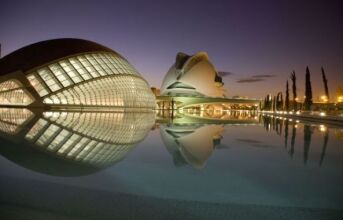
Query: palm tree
(325, 81)
(294, 89)
(308, 90)
(287, 97)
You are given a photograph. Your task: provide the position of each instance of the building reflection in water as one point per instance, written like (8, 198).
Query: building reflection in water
(192, 135)
(191, 144)
(80, 143)
(214, 113)
(272, 123)
(202, 117)
(91, 140)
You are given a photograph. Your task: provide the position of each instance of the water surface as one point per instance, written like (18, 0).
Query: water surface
(194, 165)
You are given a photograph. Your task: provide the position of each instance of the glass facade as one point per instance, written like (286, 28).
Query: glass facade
(94, 79)
(13, 93)
(12, 119)
(95, 138)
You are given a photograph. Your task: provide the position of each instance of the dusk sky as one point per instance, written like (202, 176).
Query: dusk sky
(258, 42)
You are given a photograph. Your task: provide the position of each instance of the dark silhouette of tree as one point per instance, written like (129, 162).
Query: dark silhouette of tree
(274, 104)
(277, 104)
(325, 144)
(265, 104)
(281, 125)
(307, 141)
(294, 89)
(286, 133)
(267, 122)
(268, 103)
(308, 90)
(325, 81)
(279, 101)
(294, 133)
(287, 97)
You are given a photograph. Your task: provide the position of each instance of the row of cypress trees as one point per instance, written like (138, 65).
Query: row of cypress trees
(276, 103)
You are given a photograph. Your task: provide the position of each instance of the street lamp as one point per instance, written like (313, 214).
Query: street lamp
(324, 98)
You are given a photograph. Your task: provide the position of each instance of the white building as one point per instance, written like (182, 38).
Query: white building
(192, 76)
(71, 72)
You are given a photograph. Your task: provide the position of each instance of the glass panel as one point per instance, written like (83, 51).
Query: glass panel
(49, 79)
(61, 75)
(37, 85)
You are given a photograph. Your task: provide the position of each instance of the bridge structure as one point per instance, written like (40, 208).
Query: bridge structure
(179, 102)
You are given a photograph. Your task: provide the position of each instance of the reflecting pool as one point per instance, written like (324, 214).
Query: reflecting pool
(168, 165)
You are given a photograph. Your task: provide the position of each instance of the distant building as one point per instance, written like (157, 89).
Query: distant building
(192, 76)
(71, 72)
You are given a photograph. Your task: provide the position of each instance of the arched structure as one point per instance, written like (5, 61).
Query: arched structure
(71, 72)
(70, 143)
(191, 144)
(192, 76)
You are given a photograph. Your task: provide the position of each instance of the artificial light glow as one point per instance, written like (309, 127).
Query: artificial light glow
(324, 98)
(322, 128)
(322, 114)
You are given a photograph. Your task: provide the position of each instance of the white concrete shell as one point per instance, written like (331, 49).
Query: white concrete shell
(192, 76)
(191, 144)
(65, 73)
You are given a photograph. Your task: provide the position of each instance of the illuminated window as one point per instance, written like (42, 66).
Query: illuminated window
(49, 79)
(13, 93)
(94, 79)
(13, 118)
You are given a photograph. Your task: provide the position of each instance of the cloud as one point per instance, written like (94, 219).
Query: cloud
(225, 73)
(249, 80)
(255, 78)
(263, 76)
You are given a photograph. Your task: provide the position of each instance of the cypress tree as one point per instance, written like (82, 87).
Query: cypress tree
(294, 89)
(308, 90)
(265, 103)
(325, 81)
(287, 97)
(279, 101)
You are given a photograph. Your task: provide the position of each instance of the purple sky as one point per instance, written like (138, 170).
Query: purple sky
(245, 38)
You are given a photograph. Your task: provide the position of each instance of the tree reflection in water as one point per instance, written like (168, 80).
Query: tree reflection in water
(307, 141)
(276, 124)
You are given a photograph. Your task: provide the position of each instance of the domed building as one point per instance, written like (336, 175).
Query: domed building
(192, 76)
(70, 143)
(71, 72)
